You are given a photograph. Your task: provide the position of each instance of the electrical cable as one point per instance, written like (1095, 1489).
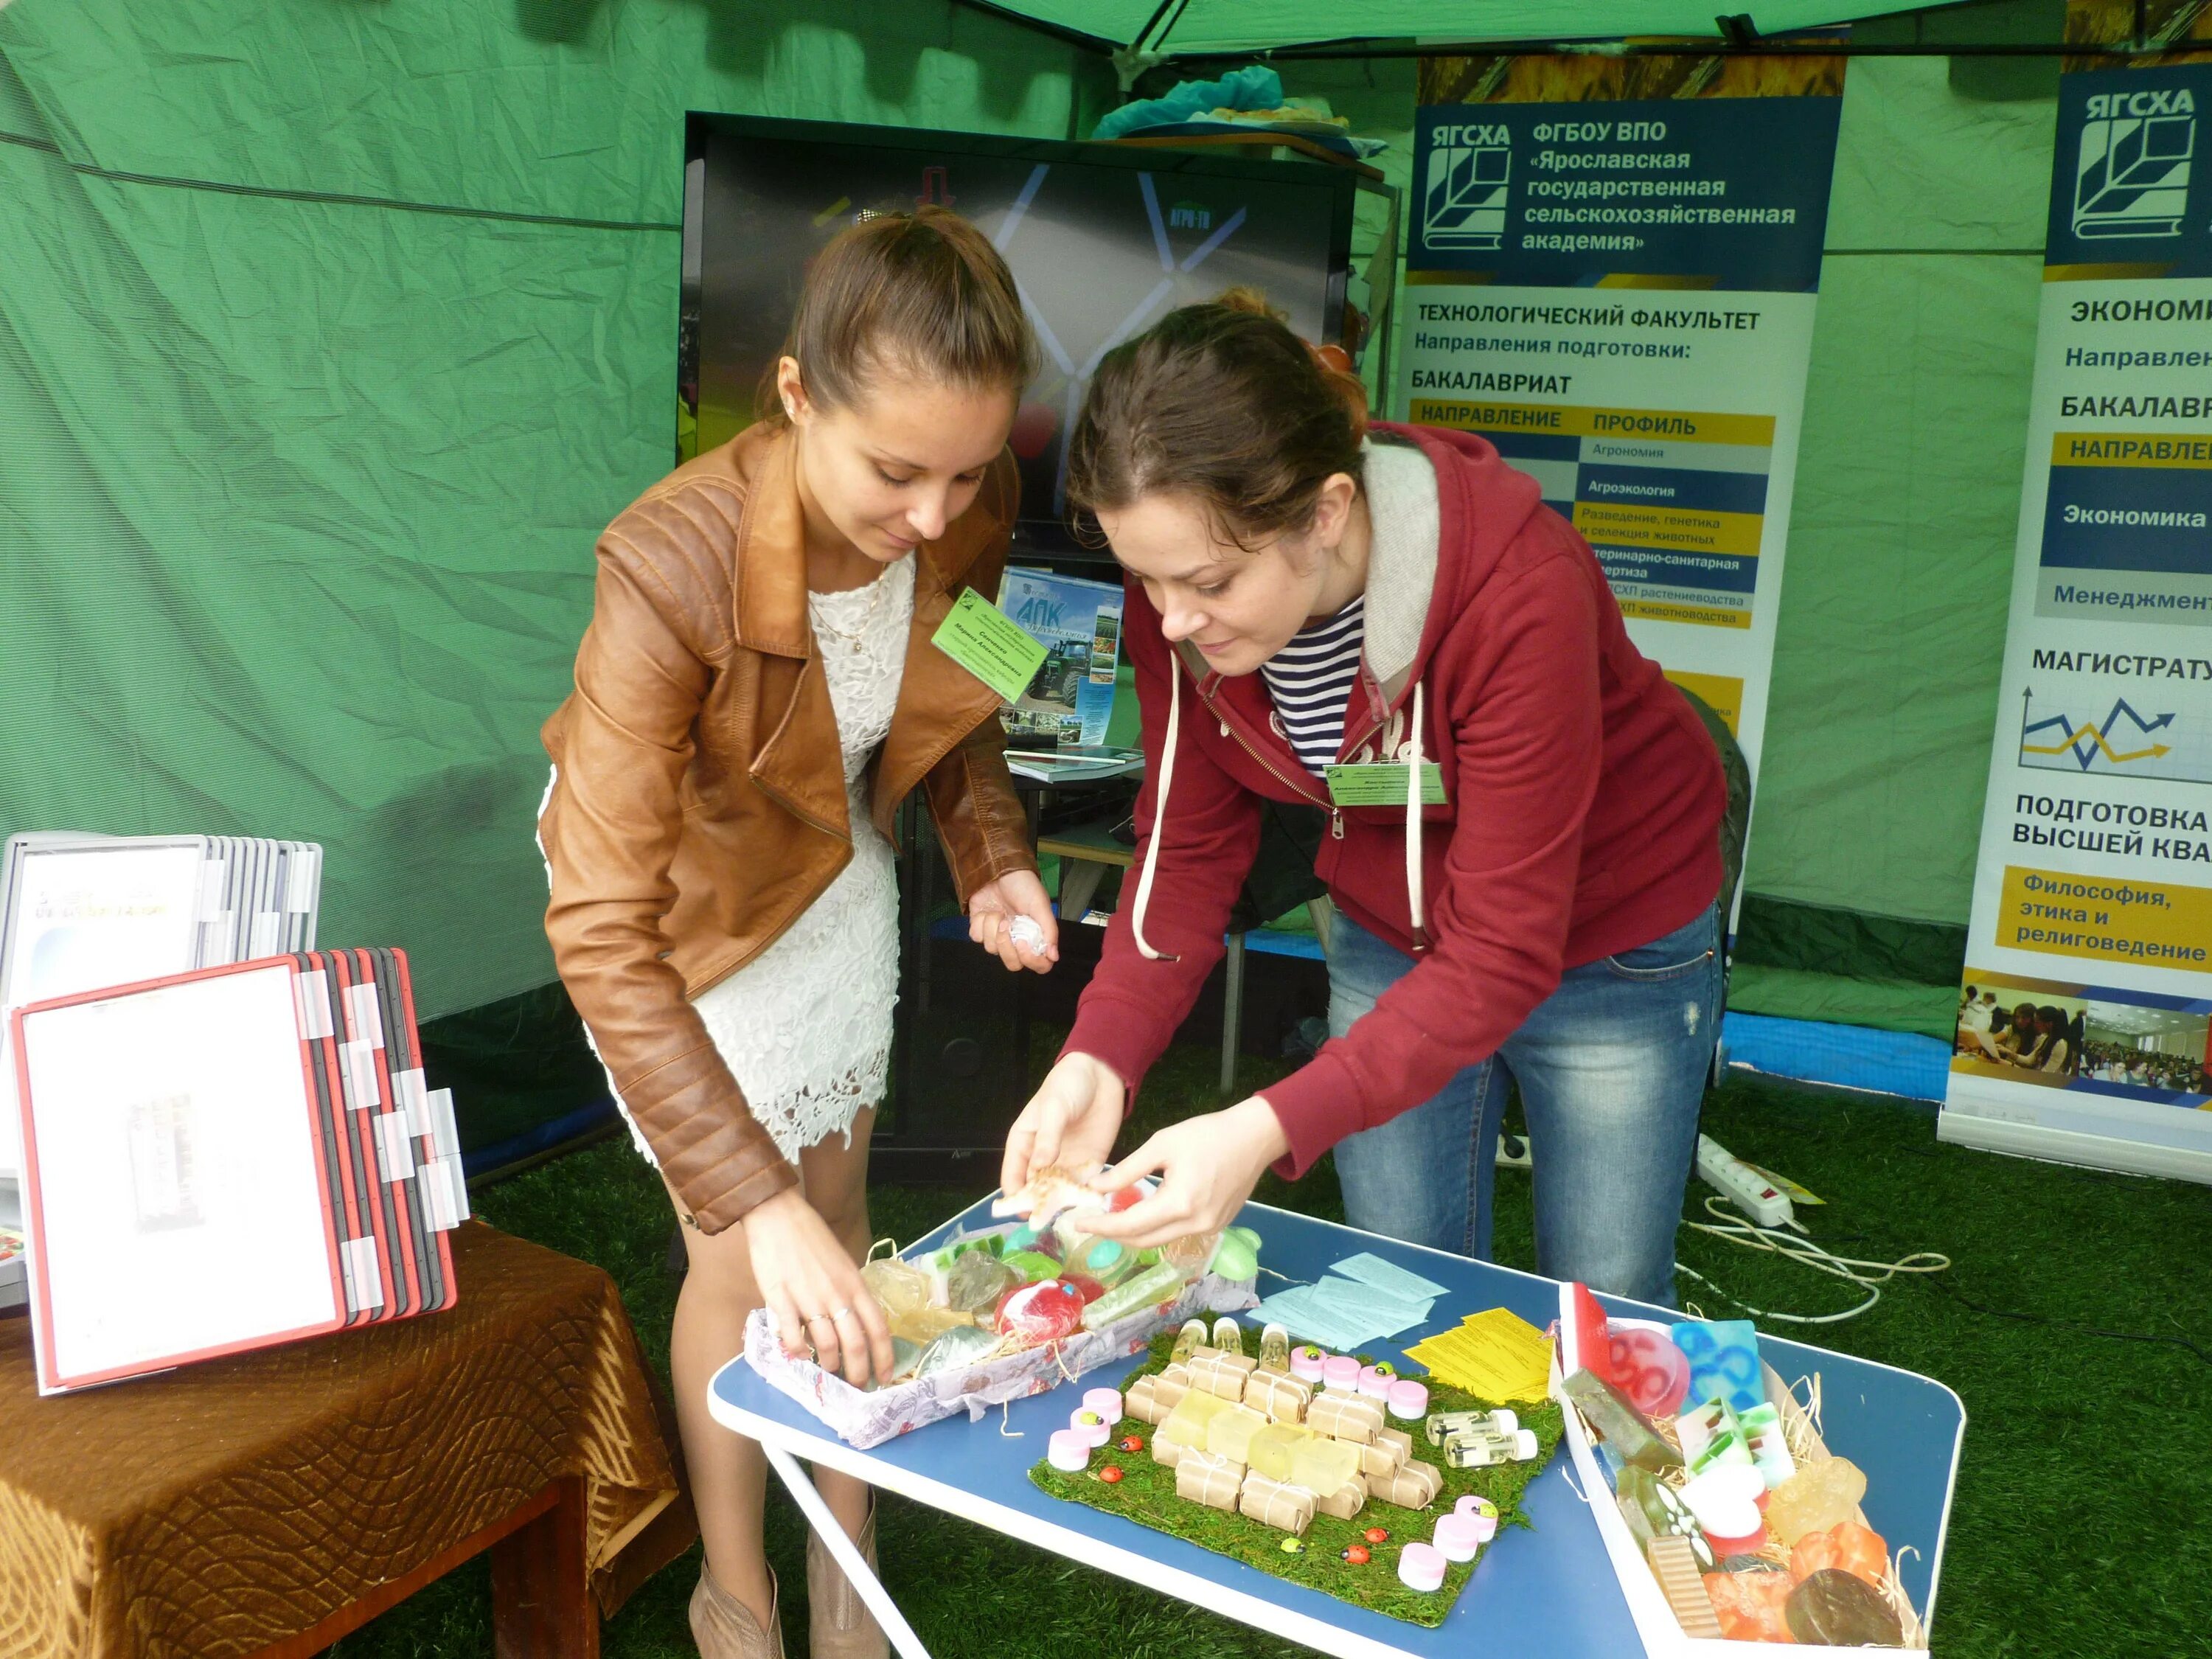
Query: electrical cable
(1988, 1312)
(1729, 1224)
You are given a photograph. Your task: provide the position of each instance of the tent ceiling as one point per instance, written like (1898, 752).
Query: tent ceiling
(1208, 26)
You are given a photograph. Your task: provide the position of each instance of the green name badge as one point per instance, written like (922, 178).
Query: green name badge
(997, 650)
(1383, 785)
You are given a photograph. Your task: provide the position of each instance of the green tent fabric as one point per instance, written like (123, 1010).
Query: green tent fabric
(1202, 26)
(331, 333)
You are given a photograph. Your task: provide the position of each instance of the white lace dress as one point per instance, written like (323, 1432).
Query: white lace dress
(805, 1026)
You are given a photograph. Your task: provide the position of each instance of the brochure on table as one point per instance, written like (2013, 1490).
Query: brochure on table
(1070, 697)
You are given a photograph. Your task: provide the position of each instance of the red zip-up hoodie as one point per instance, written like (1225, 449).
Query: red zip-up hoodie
(1583, 798)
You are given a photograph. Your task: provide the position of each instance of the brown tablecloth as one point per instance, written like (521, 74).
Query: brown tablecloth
(212, 1510)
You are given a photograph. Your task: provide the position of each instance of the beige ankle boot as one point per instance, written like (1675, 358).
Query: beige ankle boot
(840, 1625)
(724, 1628)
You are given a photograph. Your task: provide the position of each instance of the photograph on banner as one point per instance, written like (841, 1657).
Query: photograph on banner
(2096, 851)
(2098, 1039)
(1611, 276)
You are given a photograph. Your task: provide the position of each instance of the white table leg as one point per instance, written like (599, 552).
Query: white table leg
(847, 1553)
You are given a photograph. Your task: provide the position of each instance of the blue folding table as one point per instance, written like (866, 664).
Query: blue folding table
(1541, 1590)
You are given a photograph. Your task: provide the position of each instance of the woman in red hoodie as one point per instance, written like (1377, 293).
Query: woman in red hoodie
(1308, 593)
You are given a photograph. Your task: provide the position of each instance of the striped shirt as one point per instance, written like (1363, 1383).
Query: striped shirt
(1310, 680)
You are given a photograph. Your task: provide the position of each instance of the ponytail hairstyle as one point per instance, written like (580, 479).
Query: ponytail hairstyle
(919, 296)
(1221, 403)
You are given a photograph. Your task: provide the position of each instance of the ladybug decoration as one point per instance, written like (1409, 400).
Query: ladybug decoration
(1378, 1535)
(1357, 1555)
(1111, 1474)
(1131, 1444)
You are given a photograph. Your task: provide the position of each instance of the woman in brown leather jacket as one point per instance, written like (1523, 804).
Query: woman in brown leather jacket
(756, 695)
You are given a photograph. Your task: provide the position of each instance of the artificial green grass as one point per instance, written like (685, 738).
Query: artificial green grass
(2082, 1523)
(1145, 1493)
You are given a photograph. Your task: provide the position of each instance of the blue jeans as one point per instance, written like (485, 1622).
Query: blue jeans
(1611, 1067)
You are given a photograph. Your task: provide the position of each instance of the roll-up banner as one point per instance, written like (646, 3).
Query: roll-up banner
(2083, 1013)
(1612, 277)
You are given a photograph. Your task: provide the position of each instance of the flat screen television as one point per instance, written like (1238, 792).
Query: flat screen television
(1102, 239)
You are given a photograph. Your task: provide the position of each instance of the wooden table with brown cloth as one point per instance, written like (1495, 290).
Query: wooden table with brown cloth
(217, 1509)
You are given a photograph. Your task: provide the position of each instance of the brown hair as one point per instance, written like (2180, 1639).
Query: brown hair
(1223, 404)
(922, 294)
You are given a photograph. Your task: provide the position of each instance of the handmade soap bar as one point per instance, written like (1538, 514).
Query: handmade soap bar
(900, 1286)
(1619, 1424)
(1650, 1370)
(1214, 1481)
(1750, 1605)
(1280, 1395)
(1723, 1356)
(1142, 1402)
(1697, 1427)
(1770, 1446)
(1237, 1255)
(1398, 1440)
(1230, 1433)
(1412, 1485)
(1345, 1416)
(1346, 1501)
(1676, 1568)
(1655, 1510)
(1271, 1504)
(977, 1280)
(1818, 1497)
(925, 1324)
(958, 1349)
(1271, 1449)
(1186, 1423)
(1224, 1374)
(1846, 1546)
(1157, 1283)
(1834, 1608)
(1376, 1457)
(1032, 1265)
(1322, 1465)
(1040, 1313)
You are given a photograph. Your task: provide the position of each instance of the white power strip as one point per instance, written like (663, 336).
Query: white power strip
(1743, 1186)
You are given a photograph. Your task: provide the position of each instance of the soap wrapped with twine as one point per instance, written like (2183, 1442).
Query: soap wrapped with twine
(1277, 1503)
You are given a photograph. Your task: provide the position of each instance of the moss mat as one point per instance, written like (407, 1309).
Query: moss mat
(1146, 1494)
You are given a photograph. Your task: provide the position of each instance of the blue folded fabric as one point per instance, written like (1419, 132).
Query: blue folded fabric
(1256, 87)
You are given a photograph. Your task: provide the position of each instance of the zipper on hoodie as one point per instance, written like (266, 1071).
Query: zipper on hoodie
(1336, 817)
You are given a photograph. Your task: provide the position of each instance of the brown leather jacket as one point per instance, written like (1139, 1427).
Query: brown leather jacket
(698, 805)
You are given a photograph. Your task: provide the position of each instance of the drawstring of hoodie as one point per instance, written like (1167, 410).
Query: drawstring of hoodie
(1159, 814)
(1413, 829)
(1160, 817)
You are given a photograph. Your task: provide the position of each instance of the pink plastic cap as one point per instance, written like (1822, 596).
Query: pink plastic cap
(1409, 1399)
(1087, 1425)
(1069, 1451)
(1341, 1371)
(1421, 1567)
(1107, 1402)
(1459, 1536)
(1375, 1384)
(1307, 1362)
